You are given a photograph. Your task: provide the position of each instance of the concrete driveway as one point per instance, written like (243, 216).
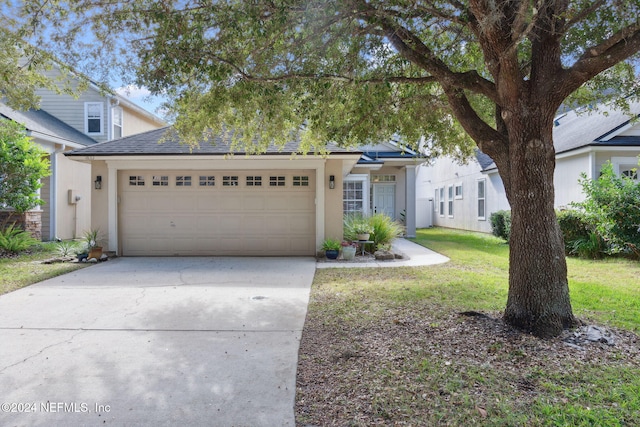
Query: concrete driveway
(156, 341)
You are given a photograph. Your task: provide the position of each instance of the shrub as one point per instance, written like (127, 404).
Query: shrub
(66, 248)
(15, 240)
(589, 246)
(501, 224)
(384, 229)
(574, 228)
(612, 209)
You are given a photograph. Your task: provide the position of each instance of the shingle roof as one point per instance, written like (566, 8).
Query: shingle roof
(586, 127)
(42, 122)
(164, 142)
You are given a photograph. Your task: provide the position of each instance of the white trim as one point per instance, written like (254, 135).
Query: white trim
(484, 198)
(365, 179)
(455, 190)
(450, 198)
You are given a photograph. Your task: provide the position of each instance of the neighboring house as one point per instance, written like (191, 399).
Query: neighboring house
(160, 198)
(64, 123)
(464, 196)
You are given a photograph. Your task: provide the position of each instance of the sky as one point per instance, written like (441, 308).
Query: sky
(142, 97)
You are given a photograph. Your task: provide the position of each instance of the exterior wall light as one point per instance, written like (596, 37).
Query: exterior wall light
(332, 181)
(98, 182)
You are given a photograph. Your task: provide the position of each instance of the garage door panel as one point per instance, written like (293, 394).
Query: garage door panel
(217, 220)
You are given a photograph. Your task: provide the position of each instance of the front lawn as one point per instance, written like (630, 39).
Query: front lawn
(390, 346)
(25, 269)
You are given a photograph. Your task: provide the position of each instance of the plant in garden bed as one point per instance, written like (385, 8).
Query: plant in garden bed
(14, 240)
(384, 229)
(331, 248)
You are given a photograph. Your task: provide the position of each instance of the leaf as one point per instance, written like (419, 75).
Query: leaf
(481, 411)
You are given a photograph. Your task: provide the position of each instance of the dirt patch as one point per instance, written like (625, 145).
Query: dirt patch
(410, 364)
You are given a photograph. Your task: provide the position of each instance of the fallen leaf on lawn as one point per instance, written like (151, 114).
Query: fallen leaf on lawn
(482, 411)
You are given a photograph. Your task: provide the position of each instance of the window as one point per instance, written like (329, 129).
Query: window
(276, 181)
(117, 122)
(183, 181)
(458, 191)
(254, 181)
(300, 181)
(207, 181)
(160, 181)
(435, 200)
(450, 200)
(481, 199)
(383, 178)
(229, 181)
(631, 173)
(136, 180)
(441, 199)
(353, 197)
(93, 118)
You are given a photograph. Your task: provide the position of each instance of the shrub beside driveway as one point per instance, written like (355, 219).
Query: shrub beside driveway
(392, 346)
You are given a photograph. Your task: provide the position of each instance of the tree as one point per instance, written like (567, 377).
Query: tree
(22, 165)
(355, 71)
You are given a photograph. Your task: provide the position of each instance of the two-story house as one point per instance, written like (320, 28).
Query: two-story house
(64, 123)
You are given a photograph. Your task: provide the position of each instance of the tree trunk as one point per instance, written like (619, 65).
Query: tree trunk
(538, 299)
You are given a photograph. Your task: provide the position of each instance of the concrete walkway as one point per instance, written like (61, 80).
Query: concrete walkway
(157, 342)
(415, 256)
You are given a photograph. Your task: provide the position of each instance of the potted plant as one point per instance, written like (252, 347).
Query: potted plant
(92, 244)
(363, 230)
(348, 250)
(331, 248)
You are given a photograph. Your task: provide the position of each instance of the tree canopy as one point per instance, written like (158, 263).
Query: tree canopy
(444, 72)
(22, 165)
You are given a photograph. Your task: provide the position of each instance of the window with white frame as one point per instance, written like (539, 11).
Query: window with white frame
(441, 199)
(458, 191)
(230, 181)
(482, 198)
(117, 122)
(435, 200)
(450, 201)
(353, 197)
(93, 117)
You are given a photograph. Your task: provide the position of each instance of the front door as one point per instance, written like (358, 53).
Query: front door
(384, 199)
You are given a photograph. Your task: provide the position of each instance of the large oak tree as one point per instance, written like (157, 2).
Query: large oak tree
(491, 71)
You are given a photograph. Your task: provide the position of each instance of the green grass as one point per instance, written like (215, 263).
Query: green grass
(27, 268)
(606, 291)
(512, 380)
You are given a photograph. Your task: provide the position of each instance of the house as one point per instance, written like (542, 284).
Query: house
(464, 196)
(162, 198)
(64, 123)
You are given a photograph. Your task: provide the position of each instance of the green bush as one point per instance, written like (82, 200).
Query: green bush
(14, 240)
(612, 210)
(590, 246)
(384, 229)
(67, 248)
(501, 224)
(574, 228)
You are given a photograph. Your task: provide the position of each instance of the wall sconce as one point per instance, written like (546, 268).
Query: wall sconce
(332, 181)
(98, 182)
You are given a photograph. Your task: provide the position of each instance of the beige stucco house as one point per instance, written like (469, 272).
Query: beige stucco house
(161, 198)
(63, 123)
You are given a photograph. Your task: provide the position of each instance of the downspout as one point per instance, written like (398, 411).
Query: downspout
(53, 193)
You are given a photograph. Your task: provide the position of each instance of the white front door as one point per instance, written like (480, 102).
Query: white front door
(384, 199)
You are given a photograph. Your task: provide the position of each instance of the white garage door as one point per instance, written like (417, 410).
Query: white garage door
(229, 213)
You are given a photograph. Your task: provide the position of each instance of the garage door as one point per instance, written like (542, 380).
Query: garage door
(230, 213)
